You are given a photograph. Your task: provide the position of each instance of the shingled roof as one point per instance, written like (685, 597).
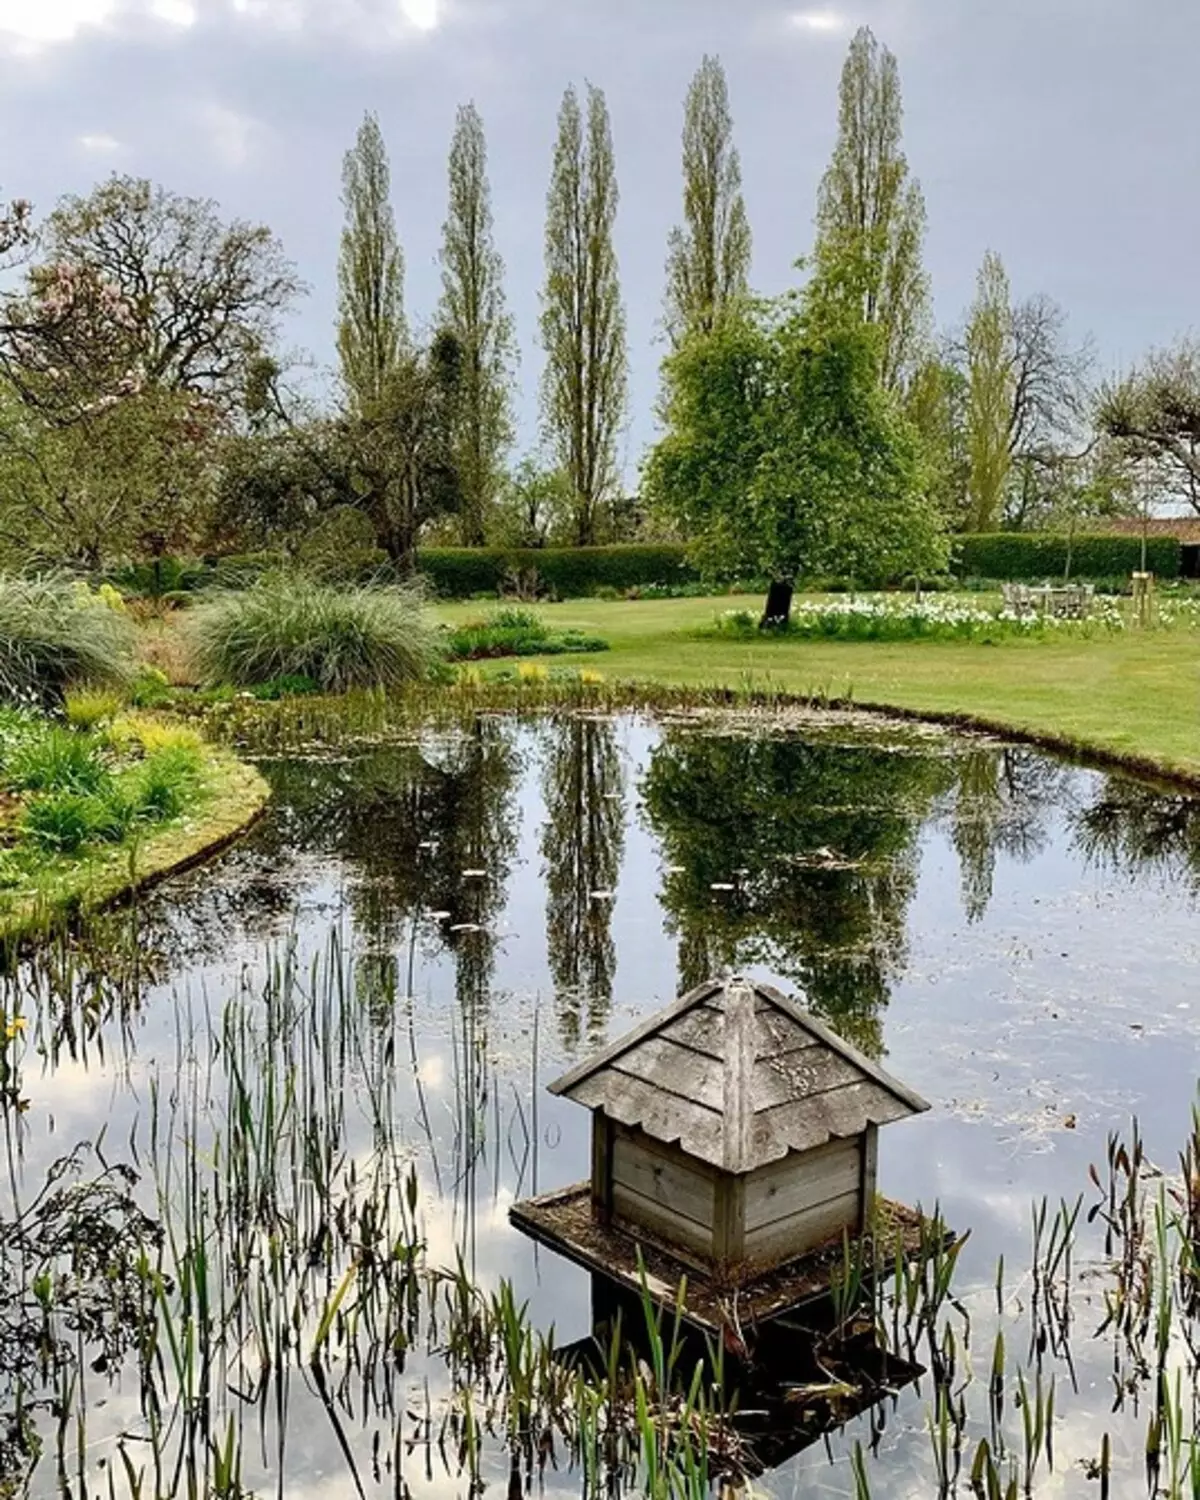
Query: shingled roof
(738, 1075)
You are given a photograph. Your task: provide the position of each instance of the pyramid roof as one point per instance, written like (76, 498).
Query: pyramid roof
(738, 1075)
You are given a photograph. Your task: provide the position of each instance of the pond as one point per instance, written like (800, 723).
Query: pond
(330, 1046)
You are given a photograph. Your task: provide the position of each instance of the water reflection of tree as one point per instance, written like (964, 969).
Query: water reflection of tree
(429, 839)
(819, 842)
(1002, 801)
(1133, 827)
(582, 845)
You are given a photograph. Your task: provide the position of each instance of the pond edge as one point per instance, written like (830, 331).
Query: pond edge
(237, 796)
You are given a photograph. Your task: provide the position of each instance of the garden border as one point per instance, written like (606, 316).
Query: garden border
(237, 797)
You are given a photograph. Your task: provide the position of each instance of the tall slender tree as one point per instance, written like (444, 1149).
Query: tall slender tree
(474, 309)
(371, 334)
(708, 257)
(583, 320)
(990, 373)
(871, 213)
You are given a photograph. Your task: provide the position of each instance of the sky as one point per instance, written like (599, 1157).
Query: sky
(1061, 133)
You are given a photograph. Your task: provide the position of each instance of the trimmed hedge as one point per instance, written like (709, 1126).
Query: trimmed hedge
(567, 572)
(1028, 556)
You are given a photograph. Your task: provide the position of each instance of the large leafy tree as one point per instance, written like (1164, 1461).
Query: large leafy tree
(583, 321)
(399, 454)
(871, 212)
(474, 309)
(708, 256)
(133, 480)
(784, 457)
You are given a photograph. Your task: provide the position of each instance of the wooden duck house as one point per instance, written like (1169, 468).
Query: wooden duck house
(734, 1131)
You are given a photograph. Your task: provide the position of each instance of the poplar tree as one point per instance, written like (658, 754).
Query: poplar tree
(989, 396)
(474, 310)
(708, 257)
(371, 334)
(871, 213)
(583, 321)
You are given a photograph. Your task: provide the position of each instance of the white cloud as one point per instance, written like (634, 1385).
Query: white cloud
(100, 144)
(232, 135)
(423, 14)
(818, 20)
(30, 25)
(175, 12)
(40, 22)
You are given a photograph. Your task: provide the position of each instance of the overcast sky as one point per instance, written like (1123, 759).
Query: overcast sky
(1062, 133)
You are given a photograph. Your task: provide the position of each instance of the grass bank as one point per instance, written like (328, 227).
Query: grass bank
(1129, 697)
(229, 797)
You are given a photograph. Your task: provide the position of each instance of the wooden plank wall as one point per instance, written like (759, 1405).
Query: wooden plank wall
(799, 1202)
(655, 1187)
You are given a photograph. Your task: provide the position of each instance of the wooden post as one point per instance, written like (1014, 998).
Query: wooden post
(870, 1176)
(729, 1221)
(602, 1154)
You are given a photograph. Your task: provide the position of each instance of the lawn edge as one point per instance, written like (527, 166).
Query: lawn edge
(237, 796)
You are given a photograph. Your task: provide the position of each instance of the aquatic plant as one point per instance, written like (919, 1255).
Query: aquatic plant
(338, 638)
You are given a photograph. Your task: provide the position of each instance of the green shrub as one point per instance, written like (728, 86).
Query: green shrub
(1032, 556)
(338, 637)
(161, 576)
(243, 570)
(516, 632)
(56, 760)
(151, 688)
(565, 572)
(55, 633)
(285, 687)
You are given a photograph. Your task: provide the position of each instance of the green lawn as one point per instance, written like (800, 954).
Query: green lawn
(1133, 695)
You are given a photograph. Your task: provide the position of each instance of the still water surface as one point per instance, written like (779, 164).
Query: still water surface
(1014, 936)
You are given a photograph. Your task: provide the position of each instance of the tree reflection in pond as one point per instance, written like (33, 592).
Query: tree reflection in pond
(1133, 827)
(582, 845)
(797, 855)
(1003, 799)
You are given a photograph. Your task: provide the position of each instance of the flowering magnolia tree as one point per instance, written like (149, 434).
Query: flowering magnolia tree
(124, 362)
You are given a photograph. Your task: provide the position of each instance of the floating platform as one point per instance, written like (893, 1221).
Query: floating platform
(564, 1222)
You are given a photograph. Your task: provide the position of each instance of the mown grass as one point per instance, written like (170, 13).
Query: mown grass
(1132, 695)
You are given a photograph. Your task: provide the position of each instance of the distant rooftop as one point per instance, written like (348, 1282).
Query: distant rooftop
(1185, 528)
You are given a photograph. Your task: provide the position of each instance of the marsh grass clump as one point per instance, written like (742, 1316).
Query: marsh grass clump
(290, 628)
(55, 633)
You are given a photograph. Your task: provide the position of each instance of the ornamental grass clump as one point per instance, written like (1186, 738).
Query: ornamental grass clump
(372, 636)
(55, 633)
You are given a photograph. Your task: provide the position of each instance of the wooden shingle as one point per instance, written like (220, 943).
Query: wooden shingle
(738, 1076)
